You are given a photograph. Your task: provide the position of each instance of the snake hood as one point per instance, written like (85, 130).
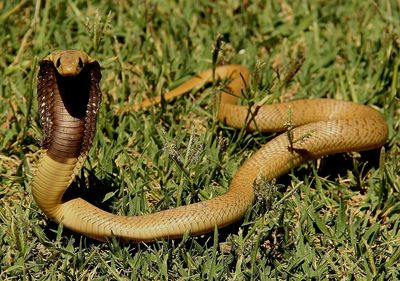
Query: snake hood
(69, 99)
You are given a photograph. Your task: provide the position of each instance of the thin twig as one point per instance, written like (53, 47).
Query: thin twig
(25, 40)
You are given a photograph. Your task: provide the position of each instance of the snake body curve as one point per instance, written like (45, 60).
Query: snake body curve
(69, 98)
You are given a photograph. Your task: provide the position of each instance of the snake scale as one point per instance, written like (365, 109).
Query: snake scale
(69, 98)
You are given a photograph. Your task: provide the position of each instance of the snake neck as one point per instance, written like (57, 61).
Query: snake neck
(68, 108)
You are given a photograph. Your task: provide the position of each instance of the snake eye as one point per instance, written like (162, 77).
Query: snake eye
(80, 63)
(58, 62)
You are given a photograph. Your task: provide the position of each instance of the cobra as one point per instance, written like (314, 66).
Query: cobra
(69, 98)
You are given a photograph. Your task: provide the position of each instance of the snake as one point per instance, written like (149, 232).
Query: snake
(69, 97)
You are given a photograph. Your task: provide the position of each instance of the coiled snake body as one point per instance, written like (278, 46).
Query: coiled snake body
(69, 98)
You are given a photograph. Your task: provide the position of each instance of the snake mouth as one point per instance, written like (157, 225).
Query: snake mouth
(68, 107)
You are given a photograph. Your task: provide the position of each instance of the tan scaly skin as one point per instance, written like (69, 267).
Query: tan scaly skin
(331, 126)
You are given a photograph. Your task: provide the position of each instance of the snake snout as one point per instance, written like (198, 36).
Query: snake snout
(69, 66)
(69, 62)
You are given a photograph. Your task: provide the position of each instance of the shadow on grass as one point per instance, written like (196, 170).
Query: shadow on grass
(338, 165)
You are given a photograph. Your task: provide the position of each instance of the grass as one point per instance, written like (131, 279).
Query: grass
(338, 218)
